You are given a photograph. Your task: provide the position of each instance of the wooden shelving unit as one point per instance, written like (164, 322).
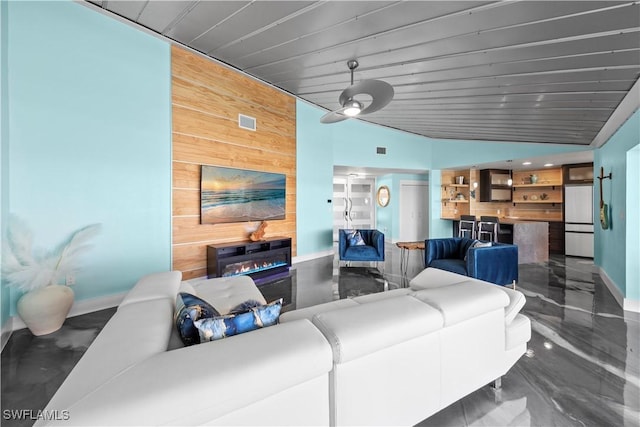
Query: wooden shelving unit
(452, 206)
(547, 189)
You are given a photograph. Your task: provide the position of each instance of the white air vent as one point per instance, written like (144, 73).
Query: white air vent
(246, 122)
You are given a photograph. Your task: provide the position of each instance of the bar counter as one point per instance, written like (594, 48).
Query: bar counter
(531, 237)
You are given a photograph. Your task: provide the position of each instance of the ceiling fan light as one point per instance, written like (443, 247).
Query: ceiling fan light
(352, 108)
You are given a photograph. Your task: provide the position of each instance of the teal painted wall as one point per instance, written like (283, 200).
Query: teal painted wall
(633, 225)
(314, 186)
(396, 180)
(385, 215)
(610, 245)
(90, 138)
(355, 142)
(4, 148)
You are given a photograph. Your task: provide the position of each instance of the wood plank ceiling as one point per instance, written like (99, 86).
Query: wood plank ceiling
(522, 71)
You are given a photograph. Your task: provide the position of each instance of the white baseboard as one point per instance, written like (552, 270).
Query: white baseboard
(309, 257)
(626, 303)
(631, 305)
(615, 291)
(78, 308)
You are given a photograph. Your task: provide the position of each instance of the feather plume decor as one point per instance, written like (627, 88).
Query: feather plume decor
(27, 268)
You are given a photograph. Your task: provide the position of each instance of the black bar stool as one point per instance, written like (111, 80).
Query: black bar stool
(467, 227)
(488, 228)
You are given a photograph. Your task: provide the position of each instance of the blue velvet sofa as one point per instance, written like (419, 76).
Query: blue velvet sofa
(496, 264)
(372, 250)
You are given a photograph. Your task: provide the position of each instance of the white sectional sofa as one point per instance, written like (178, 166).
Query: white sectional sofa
(392, 358)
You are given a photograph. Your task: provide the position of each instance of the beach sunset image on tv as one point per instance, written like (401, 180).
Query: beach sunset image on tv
(237, 195)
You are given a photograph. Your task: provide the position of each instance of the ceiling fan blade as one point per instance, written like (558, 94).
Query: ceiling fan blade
(333, 117)
(380, 92)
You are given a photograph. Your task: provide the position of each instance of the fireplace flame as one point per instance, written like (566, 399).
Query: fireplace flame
(249, 267)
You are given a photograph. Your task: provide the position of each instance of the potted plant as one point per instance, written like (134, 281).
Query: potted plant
(45, 304)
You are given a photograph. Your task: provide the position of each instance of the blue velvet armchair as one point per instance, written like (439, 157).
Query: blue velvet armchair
(495, 264)
(371, 250)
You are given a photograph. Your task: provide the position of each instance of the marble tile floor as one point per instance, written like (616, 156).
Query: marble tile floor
(582, 367)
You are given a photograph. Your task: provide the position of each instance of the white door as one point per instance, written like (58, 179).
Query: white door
(353, 205)
(414, 211)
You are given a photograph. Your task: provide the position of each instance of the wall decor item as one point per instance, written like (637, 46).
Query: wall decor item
(238, 195)
(259, 233)
(383, 196)
(604, 208)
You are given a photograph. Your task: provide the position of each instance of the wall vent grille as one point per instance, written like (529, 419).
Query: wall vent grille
(381, 150)
(246, 122)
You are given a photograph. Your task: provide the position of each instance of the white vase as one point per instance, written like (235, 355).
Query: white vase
(44, 310)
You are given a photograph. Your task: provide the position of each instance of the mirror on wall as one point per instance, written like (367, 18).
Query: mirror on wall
(383, 196)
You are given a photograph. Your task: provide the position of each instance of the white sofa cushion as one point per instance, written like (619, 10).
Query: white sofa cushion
(154, 286)
(435, 278)
(309, 312)
(225, 293)
(462, 301)
(377, 296)
(188, 288)
(357, 331)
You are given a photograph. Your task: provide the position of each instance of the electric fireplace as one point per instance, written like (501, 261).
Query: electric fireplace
(255, 259)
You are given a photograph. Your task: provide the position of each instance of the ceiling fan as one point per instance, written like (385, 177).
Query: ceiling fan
(381, 94)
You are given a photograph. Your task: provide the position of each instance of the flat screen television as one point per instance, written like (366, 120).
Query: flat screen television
(237, 195)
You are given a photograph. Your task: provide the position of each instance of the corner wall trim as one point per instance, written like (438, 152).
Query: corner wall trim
(625, 303)
(615, 291)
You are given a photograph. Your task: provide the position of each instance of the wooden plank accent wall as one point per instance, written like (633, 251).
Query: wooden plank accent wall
(206, 100)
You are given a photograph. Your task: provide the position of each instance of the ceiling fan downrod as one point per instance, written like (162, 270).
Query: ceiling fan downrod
(352, 64)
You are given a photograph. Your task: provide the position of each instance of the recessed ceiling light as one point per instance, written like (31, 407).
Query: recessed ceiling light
(526, 163)
(546, 165)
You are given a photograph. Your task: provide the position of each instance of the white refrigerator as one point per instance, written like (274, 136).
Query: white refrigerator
(578, 220)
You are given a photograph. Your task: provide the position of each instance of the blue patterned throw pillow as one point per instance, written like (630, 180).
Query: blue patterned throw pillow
(355, 239)
(219, 327)
(245, 306)
(190, 308)
(477, 244)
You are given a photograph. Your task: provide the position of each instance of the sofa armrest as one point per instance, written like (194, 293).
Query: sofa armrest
(377, 241)
(496, 264)
(197, 384)
(440, 249)
(516, 302)
(342, 243)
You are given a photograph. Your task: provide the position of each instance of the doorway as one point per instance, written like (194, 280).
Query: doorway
(414, 211)
(353, 205)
